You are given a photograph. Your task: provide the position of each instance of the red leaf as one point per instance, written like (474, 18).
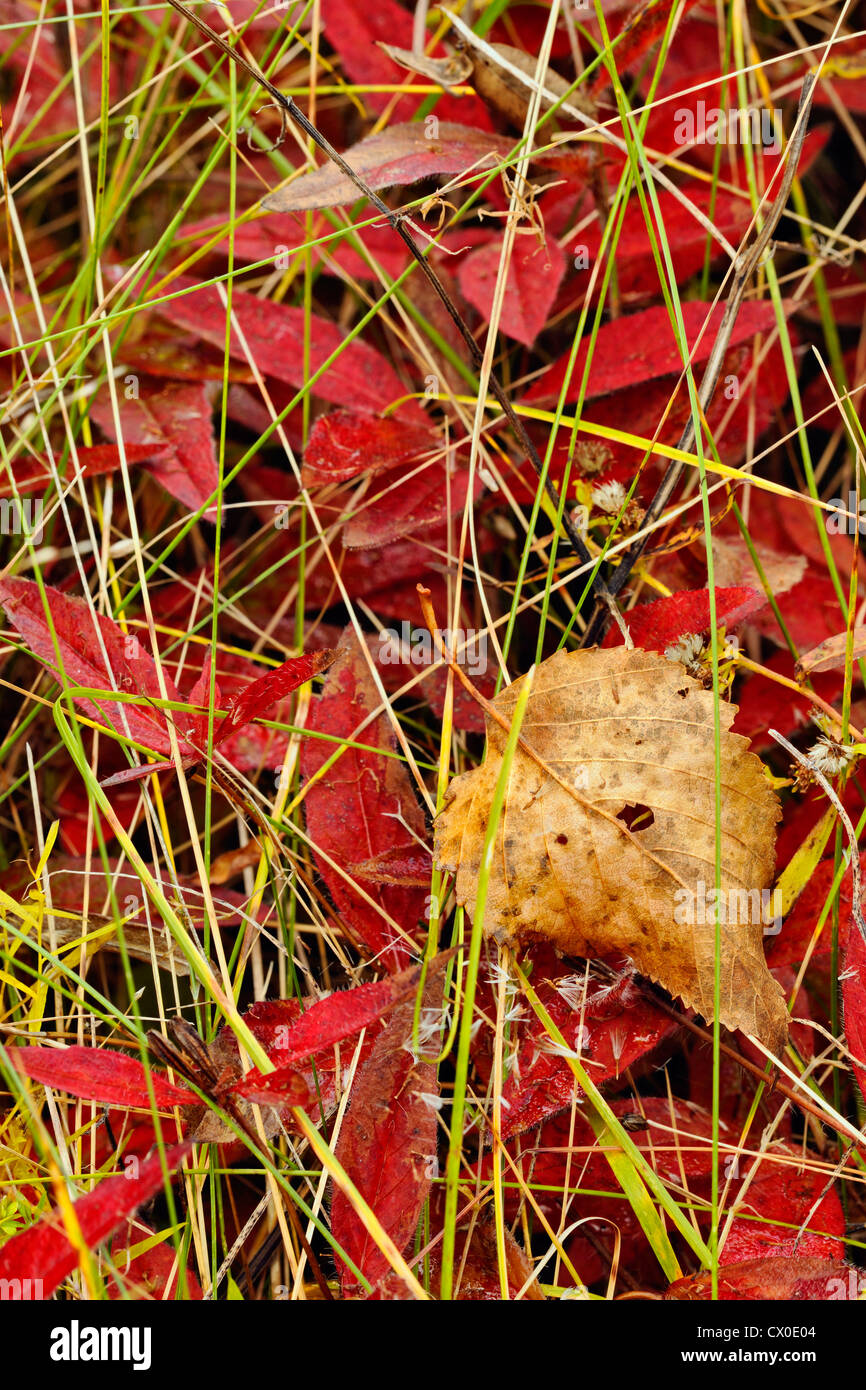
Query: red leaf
(81, 636)
(476, 1261)
(847, 288)
(262, 239)
(609, 1028)
(345, 444)
(153, 1274)
(402, 154)
(356, 31)
(677, 1141)
(854, 1003)
(764, 704)
(658, 625)
(400, 504)
(270, 1023)
(644, 25)
(790, 946)
(821, 401)
(44, 1252)
(387, 1143)
(79, 821)
(246, 749)
(324, 1023)
(95, 1073)
(275, 334)
(175, 416)
(34, 475)
(259, 697)
(776, 1279)
(401, 865)
(636, 271)
(352, 811)
(640, 348)
(531, 285)
(810, 611)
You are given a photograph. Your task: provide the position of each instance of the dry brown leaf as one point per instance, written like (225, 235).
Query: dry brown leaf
(831, 653)
(502, 90)
(624, 738)
(400, 155)
(733, 564)
(449, 72)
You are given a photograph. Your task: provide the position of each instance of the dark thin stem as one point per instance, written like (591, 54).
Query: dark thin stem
(396, 220)
(748, 259)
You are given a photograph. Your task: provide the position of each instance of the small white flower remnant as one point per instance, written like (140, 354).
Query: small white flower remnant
(430, 1099)
(499, 975)
(688, 650)
(582, 1039)
(572, 988)
(591, 456)
(831, 757)
(431, 1023)
(609, 497)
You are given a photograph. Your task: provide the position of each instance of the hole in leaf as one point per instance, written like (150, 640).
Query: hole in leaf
(636, 817)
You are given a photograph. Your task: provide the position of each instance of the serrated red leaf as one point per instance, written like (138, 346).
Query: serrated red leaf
(328, 1021)
(387, 1143)
(535, 273)
(45, 1254)
(177, 416)
(95, 1073)
(82, 635)
(361, 807)
(854, 1003)
(264, 693)
(660, 624)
